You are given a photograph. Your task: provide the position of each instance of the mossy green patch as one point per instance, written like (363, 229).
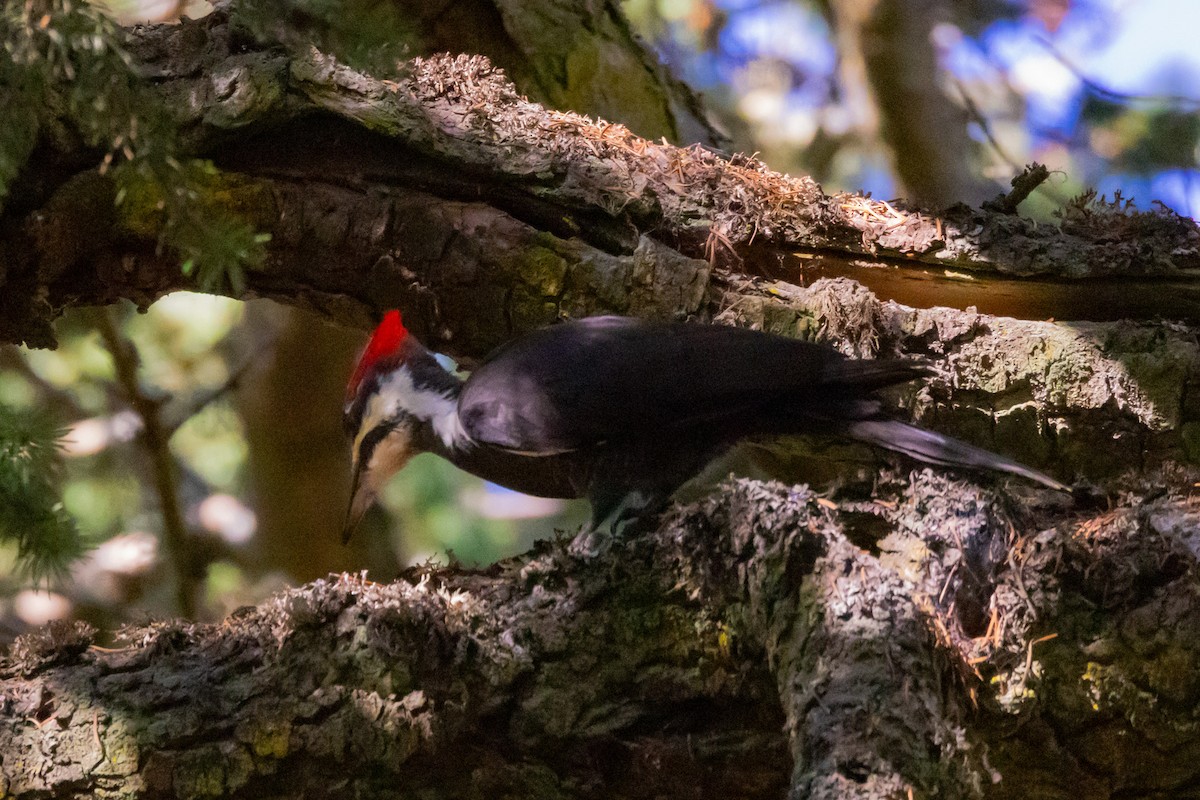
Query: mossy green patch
(200, 774)
(543, 270)
(270, 738)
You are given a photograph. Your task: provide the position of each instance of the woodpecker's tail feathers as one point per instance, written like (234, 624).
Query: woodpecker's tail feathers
(868, 376)
(936, 448)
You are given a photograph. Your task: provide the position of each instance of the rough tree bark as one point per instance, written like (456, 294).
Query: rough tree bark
(901, 634)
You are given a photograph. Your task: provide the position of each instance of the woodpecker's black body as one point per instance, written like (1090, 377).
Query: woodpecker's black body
(624, 411)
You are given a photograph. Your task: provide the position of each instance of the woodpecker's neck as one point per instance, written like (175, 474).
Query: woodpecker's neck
(429, 395)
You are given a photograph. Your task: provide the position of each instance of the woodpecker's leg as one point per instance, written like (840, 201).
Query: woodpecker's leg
(616, 516)
(624, 513)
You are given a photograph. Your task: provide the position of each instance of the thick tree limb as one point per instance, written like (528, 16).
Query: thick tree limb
(938, 667)
(455, 138)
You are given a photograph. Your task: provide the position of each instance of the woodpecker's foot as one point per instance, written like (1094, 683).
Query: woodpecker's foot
(636, 513)
(591, 541)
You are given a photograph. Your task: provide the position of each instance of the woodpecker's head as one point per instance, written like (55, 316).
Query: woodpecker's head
(400, 402)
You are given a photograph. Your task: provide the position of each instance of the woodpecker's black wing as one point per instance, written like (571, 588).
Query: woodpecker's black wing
(580, 384)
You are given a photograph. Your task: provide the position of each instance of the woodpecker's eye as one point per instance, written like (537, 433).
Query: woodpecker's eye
(372, 440)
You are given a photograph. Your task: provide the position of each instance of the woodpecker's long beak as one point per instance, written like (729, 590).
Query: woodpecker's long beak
(384, 458)
(361, 498)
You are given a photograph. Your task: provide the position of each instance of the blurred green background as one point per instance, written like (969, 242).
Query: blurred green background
(217, 364)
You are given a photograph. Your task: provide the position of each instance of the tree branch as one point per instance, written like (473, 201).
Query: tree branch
(303, 138)
(155, 437)
(651, 663)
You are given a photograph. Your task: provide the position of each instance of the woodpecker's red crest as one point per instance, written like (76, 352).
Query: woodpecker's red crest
(385, 344)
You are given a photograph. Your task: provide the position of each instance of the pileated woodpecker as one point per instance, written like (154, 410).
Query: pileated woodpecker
(621, 411)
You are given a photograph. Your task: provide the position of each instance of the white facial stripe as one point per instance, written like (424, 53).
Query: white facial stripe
(373, 414)
(397, 393)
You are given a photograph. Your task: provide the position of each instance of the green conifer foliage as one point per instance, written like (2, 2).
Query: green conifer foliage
(31, 512)
(64, 72)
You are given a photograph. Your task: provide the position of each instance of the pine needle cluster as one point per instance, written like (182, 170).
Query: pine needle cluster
(31, 512)
(65, 72)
